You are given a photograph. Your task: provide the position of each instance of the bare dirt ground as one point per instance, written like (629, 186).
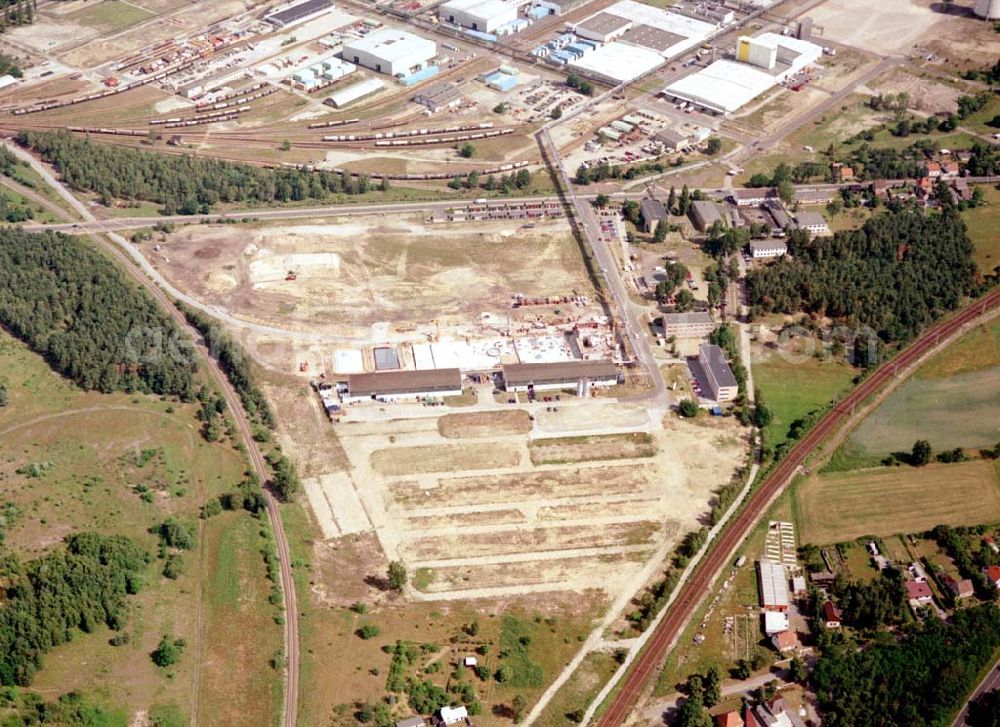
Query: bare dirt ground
(479, 519)
(925, 95)
(353, 273)
(879, 26)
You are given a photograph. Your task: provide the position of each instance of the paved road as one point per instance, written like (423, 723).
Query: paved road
(990, 683)
(692, 593)
(117, 247)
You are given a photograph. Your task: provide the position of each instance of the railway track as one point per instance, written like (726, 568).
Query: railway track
(691, 594)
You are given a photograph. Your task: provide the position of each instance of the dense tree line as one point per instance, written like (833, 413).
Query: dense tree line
(16, 12)
(234, 364)
(13, 209)
(896, 274)
(76, 588)
(875, 604)
(918, 679)
(9, 65)
(74, 307)
(183, 184)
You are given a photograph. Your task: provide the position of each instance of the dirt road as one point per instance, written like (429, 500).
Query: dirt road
(235, 406)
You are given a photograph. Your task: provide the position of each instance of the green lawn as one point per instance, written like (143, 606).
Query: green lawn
(576, 694)
(110, 15)
(984, 230)
(792, 390)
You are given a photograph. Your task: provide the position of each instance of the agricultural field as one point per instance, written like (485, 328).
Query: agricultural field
(950, 401)
(109, 15)
(72, 461)
(834, 507)
(352, 273)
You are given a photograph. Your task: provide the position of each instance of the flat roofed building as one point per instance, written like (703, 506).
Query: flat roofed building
(299, 12)
(652, 212)
(439, 96)
(775, 622)
(648, 36)
(764, 249)
(688, 325)
(773, 582)
(354, 92)
(391, 51)
(673, 140)
(616, 63)
(704, 214)
(753, 196)
(603, 27)
(812, 221)
(559, 375)
(391, 385)
(721, 381)
(813, 196)
(482, 15)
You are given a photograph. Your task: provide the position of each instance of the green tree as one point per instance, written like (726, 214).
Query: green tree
(397, 576)
(688, 408)
(369, 631)
(168, 652)
(660, 233)
(798, 670)
(683, 300)
(713, 686)
(556, 112)
(714, 146)
(920, 455)
(467, 150)
(602, 200)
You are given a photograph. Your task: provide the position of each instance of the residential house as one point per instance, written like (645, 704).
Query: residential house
(822, 579)
(949, 169)
(729, 719)
(831, 615)
(778, 713)
(959, 588)
(991, 543)
(933, 170)
(842, 172)
(993, 574)
(918, 593)
(917, 572)
(452, 715)
(785, 641)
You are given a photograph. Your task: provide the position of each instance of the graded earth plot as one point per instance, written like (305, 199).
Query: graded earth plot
(342, 276)
(478, 512)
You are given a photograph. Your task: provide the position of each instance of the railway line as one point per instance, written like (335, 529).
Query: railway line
(692, 592)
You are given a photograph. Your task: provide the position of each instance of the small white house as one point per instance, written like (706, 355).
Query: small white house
(469, 661)
(453, 715)
(764, 249)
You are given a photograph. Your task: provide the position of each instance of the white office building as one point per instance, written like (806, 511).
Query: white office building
(391, 51)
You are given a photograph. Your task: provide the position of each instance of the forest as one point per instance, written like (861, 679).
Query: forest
(183, 184)
(920, 678)
(47, 599)
(76, 309)
(896, 274)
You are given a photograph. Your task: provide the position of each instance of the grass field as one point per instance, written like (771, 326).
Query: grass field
(576, 694)
(885, 501)
(110, 15)
(977, 350)
(982, 224)
(119, 464)
(792, 390)
(397, 461)
(484, 424)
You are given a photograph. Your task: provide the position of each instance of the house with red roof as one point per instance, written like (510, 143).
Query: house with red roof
(918, 593)
(785, 641)
(993, 573)
(831, 615)
(729, 719)
(933, 170)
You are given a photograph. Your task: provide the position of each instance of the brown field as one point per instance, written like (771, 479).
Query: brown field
(398, 461)
(566, 450)
(519, 486)
(359, 271)
(885, 501)
(547, 539)
(484, 424)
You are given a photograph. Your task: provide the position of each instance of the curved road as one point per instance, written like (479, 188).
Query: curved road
(118, 247)
(691, 594)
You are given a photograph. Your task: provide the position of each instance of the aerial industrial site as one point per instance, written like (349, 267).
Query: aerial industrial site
(490, 362)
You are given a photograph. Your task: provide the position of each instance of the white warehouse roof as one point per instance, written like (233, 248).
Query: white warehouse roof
(691, 31)
(390, 45)
(727, 85)
(773, 584)
(355, 91)
(617, 62)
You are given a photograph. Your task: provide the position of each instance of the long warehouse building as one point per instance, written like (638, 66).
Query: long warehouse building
(559, 375)
(298, 13)
(482, 15)
(396, 385)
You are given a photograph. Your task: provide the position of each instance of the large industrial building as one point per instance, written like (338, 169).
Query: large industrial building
(559, 375)
(637, 39)
(485, 16)
(356, 91)
(396, 385)
(773, 582)
(761, 63)
(391, 51)
(712, 371)
(298, 13)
